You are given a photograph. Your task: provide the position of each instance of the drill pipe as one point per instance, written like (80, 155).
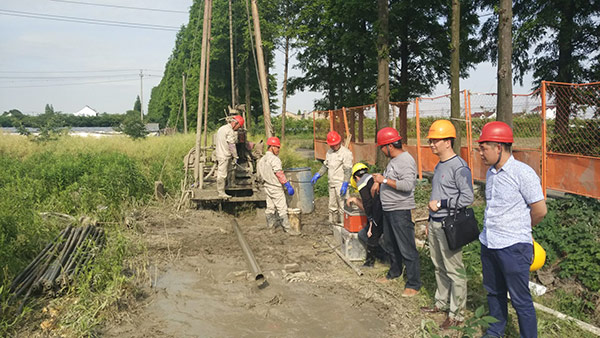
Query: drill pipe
(252, 264)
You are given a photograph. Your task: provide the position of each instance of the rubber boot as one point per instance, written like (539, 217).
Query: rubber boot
(221, 188)
(370, 260)
(285, 223)
(340, 219)
(332, 217)
(271, 221)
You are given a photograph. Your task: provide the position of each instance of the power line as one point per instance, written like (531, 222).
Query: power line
(72, 71)
(63, 77)
(125, 7)
(87, 20)
(73, 84)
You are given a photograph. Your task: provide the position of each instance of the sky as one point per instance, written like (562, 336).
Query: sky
(70, 64)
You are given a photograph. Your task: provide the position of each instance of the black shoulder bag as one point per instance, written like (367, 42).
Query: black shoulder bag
(461, 227)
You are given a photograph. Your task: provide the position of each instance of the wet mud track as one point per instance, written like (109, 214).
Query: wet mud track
(200, 286)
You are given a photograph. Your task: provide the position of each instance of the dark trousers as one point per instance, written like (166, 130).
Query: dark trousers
(399, 236)
(505, 270)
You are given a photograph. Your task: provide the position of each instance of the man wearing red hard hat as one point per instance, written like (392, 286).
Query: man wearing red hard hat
(270, 172)
(397, 194)
(514, 204)
(338, 166)
(225, 141)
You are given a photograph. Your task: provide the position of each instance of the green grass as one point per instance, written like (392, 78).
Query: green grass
(571, 298)
(100, 178)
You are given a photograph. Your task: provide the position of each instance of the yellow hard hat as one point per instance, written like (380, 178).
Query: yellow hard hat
(358, 166)
(539, 257)
(441, 129)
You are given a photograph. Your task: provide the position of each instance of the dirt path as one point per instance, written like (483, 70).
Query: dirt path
(201, 286)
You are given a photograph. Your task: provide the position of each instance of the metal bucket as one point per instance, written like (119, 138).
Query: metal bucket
(304, 198)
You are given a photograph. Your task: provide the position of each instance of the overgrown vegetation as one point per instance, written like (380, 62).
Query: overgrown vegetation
(100, 178)
(570, 234)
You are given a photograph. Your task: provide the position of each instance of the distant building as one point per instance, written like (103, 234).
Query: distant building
(153, 128)
(86, 111)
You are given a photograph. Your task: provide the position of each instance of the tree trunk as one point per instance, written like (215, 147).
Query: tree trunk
(284, 94)
(184, 104)
(383, 73)
(247, 101)
(565, 72)
(455, 74)
(504, 107)
(231, 57)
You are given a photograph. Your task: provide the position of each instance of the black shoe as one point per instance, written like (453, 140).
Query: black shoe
(369, 262)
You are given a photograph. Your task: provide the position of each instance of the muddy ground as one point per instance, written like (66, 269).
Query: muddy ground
(200, 286)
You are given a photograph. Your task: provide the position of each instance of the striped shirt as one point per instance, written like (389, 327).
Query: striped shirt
(508, 193)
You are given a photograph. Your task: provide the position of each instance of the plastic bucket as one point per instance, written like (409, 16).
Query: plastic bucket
(304, 197)
(294, 217)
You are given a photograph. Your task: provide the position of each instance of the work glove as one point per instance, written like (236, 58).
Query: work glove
(344, 189)
(315, 178)
(290, 189)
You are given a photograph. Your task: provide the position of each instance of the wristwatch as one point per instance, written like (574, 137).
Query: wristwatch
(439, 204)
(384, 180)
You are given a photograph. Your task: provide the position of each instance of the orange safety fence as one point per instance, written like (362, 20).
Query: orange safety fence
(572, 137)
(556, 131)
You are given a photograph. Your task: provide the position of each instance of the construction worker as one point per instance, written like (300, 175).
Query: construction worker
(271, 174)
(369, 235)
(225, 150)
(397, 188)
(338, 166)
(514, 204)
(451, 187)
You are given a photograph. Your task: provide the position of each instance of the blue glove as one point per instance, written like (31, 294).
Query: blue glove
(344, 189)
(290, 189)
(315, 178)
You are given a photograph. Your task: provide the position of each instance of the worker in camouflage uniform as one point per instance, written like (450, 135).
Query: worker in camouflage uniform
(270, 172)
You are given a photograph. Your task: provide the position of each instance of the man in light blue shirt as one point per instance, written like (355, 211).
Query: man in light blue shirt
(514, 204)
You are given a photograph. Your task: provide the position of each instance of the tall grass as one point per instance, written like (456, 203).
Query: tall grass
(99, 178)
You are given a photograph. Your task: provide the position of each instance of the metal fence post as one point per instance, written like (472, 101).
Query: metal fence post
(419, 164)
(544, 130)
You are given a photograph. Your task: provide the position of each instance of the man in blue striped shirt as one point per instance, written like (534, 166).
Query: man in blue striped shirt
(514, 204)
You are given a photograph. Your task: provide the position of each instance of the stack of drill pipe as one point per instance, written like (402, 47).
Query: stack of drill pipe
(58, 263)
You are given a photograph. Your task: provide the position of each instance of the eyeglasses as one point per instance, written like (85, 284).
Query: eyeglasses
(432, 141)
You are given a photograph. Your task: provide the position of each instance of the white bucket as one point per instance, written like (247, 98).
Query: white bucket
(294, 217)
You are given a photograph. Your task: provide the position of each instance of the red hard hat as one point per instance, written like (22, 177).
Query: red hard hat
(496, 131)
(239, 120)
(387, 135)
(274, 141)
(333, 138)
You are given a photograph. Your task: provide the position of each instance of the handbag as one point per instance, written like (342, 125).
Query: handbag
(461, 227)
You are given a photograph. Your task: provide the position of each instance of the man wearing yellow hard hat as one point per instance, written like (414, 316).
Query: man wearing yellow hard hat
(371, 204)
(451, 187)
(514, 204)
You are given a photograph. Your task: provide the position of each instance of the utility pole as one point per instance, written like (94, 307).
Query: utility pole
(184, 105)
(198, 165)
(141, 95)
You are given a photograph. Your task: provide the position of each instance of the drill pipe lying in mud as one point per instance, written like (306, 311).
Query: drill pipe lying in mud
(252, 264)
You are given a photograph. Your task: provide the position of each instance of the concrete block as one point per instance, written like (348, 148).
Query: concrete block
(351, 247)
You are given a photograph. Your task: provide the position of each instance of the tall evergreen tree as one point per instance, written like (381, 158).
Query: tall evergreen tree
(556, 39)
(165, 104)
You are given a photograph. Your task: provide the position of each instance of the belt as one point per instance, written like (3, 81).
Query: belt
(437, 219)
